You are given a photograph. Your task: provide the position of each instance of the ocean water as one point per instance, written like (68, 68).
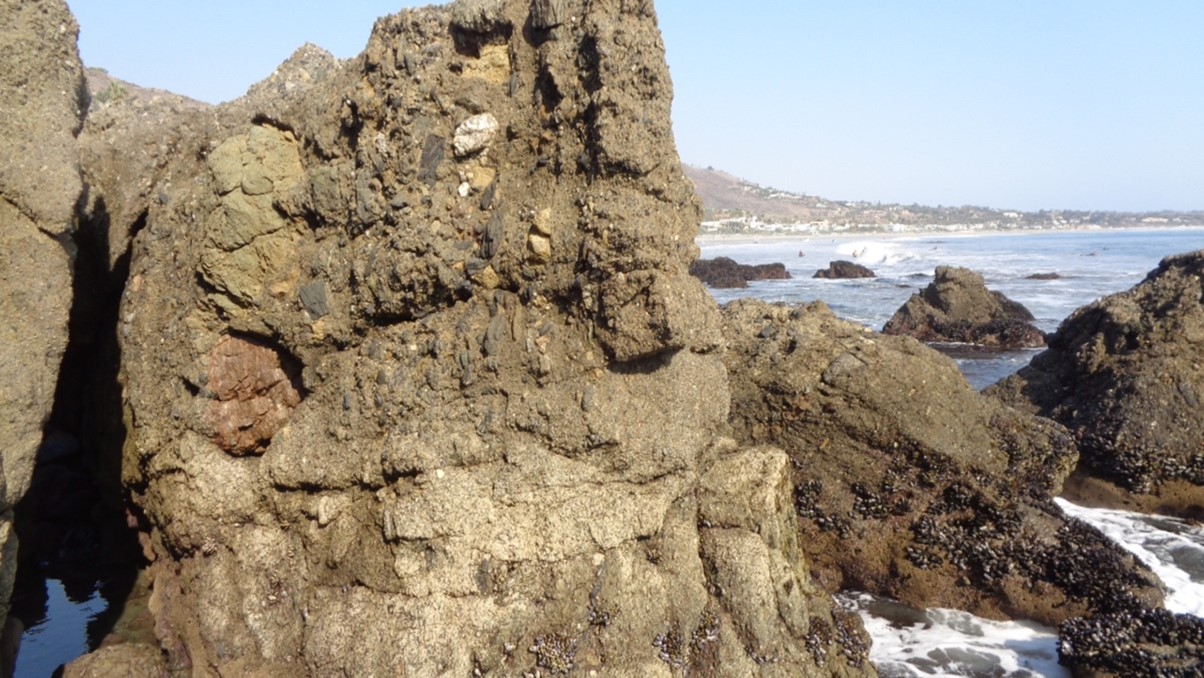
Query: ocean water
(1089, 265)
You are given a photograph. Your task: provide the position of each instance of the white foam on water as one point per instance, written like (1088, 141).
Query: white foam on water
(1172, 548)
(939, 642)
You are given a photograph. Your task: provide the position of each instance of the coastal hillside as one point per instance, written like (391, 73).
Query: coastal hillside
(735, 205)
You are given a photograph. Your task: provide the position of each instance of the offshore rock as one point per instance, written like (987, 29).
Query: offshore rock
(841, 269)
(396, 408)
(42, 99)
(1125, 375)
(957, 307)
(723, 272)
(912, 485)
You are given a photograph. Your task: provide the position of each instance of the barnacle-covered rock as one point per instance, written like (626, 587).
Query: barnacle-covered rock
(909, 484)
(1125, 374)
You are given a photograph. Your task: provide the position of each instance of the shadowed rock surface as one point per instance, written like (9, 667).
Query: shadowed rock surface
(841, 269)
(723, 272)
(957, 307)
(912, 485)
(1125, 375)
(417, 380)
(41, 109)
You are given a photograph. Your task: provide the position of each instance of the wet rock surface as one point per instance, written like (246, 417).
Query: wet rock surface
(1141, 643)
(911, 485)
(42, 100)
(957, 307)
(1124, 375)
(417, 379)
(841, 269)
(724, 272)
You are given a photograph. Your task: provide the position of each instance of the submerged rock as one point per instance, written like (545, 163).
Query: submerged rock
(42, 99)
(840, 269)
(723, 272)
(912, 485)
(399, 405)
(957, 307)
(1125, 375)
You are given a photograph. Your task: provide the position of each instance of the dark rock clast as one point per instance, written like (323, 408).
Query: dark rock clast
(909, 484)
(1126, 376)
(841, 269)
(1043, 276)
(957, 307)
(722, 272)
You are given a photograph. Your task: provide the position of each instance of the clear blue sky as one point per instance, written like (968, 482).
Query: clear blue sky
(1027, 104)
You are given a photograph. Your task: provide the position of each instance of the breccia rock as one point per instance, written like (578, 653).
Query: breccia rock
(1125, 374)
(397, 408)
(41, 110)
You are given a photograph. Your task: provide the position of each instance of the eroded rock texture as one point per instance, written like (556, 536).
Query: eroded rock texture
(41, 109)
(910, 484)
(1125, 375)
(417, 380)
(957, 307)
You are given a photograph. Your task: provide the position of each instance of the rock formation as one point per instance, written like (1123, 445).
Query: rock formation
(1151, 642)
(912, 485)
(41, 109)
(1125, 375)
(725, 273)
(841, 269)
(416, 379)
(957, 307)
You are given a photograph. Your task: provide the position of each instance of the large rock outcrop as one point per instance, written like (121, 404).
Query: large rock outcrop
(417, 381)
(912, 485)
(41, 110)
(1125, 374)
(957, 307)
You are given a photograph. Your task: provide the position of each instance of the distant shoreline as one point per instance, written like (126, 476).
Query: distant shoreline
(749, 238)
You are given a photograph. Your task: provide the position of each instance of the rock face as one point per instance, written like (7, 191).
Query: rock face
(1143, 643)
(1125, 375)
(723, 272)
(841, 269)
(417, 380)
(957, 307)
(910, 484)
(41, 110)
